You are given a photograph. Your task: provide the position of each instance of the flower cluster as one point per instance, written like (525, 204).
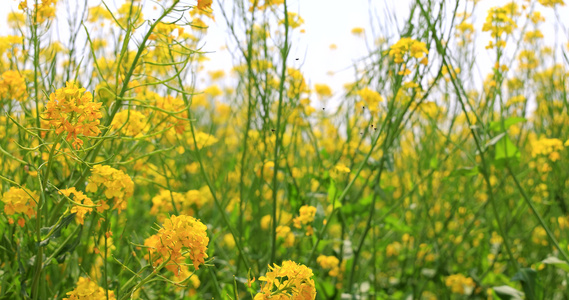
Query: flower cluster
(305, 218)
(329, 263)
(460, 284)
(549, 147)
(551, 3)
(179, 238)
(406, 47)
(73, 110)
(17, 200)
(88, 290)
(202, 139)
(371, 98)
(498, 22)
(339, 170)
(130, 122)
(82, 203)
(291, 281)
(13, 86)
(185, 202)
(44, 11)
(116, 185)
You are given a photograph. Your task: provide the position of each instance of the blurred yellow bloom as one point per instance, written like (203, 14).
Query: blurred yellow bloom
(460, 284)
(17, 200)
(89, 290)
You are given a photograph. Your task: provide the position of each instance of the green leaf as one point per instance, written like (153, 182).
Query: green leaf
(434, 163)
(464, 171)
(497, 125)
(325, 288)
(552, 260)
(527, 277)
(506, 292)
(397, 224)
(333, 194)
(54, 231)
(506, 150)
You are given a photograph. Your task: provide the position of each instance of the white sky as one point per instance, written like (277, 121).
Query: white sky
(327, 22)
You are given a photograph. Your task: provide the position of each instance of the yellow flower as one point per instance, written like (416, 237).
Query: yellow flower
(549, 147)
(323, 90)
(294, 20)
(130, 122)
(371, 99)
(406, 46)
(460, 284)
(306, 217)
(284, 233)
(88, 290)
(202, 139)
(329, 263)
(80, 198)
(180, 237)
(202, 4)
(72, 110)
(498, 22)
(291, 281)
(116, 185)
(13, 86)
(551, 3)
(17, 200)
(357, 31)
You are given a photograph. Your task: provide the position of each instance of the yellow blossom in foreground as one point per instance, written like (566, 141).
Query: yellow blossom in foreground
(88, 290)
(180, 237)
(291, 281)
(459, 284)
(116, 185)
(17, 200)
(79, 198)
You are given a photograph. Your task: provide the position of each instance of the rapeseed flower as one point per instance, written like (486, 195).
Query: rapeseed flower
(72, 110)
(305, 218)
(88, 290)
(291, 281)
(460, 284)
(116, 185)
(179, 238)
(13, 86)
(82, 203)
(18, 200)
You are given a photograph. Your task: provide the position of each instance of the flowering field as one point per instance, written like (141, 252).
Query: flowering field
(429, 176)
